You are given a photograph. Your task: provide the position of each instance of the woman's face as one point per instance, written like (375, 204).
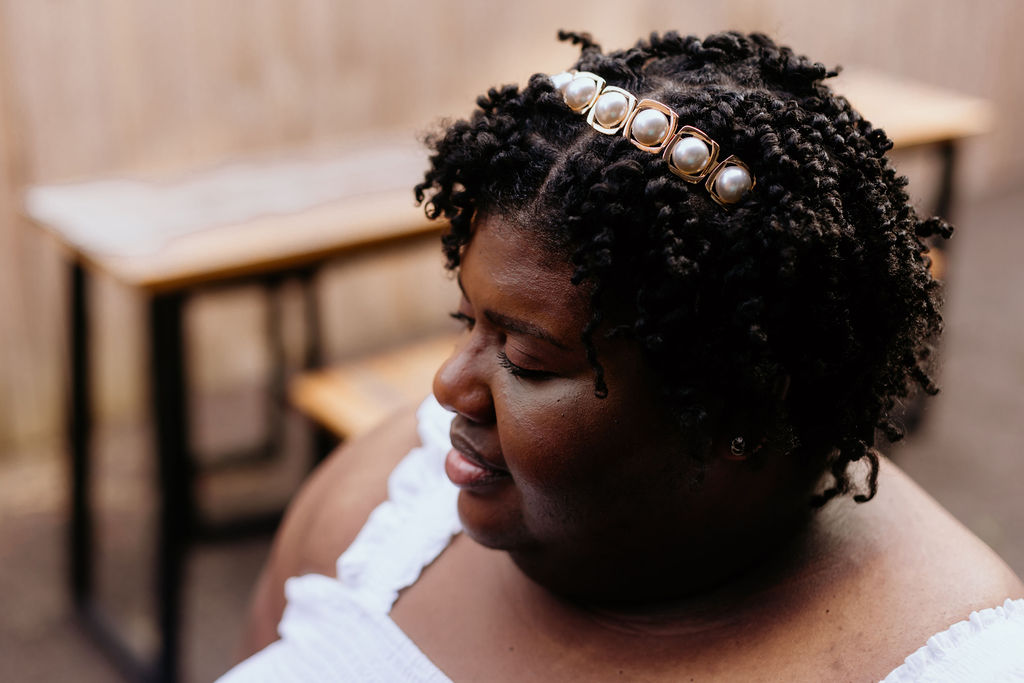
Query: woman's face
(547, 469)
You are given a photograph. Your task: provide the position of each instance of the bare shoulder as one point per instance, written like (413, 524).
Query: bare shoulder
(919, 572)
(325, 516)
(944, 557)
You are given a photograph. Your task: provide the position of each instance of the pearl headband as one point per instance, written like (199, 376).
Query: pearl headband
(654, 128)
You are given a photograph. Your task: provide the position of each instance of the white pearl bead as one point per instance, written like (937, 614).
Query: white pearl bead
(650, 127)
(579, 92)
(561, 80)
(690, 155)
(611, 108)
(732, 183)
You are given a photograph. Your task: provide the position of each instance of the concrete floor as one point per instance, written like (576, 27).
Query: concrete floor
(967, 454)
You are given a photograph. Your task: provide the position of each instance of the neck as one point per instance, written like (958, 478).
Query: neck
(687, 595)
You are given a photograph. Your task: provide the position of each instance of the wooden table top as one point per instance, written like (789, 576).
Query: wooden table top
(913, 113)
(248, 218)
(242, 219)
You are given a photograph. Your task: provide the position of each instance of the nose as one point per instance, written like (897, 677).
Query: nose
(461, 383)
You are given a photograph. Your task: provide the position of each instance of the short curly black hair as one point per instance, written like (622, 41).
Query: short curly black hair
(797, 317)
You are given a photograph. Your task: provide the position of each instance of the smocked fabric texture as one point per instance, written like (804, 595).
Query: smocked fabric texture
(339, 629)
(987, 646)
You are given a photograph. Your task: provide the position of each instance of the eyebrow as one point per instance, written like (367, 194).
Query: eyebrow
(517, 325)
(523, 327)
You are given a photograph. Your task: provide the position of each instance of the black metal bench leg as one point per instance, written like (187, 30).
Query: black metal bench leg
(944, 202)
(170, 410)
(79, 436)
(82, 553)
(276, 401)
(323, 441)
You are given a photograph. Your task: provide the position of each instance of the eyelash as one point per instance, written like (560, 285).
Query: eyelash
(466, 320)
(503, 360)
(518, 371)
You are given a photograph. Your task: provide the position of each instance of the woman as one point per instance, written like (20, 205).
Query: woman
(693, 290)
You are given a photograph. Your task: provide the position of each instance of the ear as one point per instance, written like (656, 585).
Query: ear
(737, 449)
(731, 447)
(744, 439)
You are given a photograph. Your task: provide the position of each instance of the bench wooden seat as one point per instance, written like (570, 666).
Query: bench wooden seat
(350, 398)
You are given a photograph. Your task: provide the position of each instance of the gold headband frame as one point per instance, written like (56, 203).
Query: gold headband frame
(653, 127)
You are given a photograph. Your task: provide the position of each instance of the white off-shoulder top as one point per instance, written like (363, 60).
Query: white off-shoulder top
(340, 629)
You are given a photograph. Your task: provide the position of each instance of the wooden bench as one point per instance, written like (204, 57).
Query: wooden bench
(351, 398)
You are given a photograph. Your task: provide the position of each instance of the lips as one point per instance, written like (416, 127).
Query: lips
(468, 469)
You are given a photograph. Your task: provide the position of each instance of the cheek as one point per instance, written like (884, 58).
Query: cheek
(561, 440)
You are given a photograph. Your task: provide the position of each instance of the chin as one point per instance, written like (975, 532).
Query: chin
(490, 524)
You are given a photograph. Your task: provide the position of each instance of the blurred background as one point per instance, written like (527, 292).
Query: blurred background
(95, 89)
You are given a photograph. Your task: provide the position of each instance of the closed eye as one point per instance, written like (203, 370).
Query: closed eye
(519, 371)
(466, 320)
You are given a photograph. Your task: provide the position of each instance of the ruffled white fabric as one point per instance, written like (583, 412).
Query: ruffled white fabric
(339, 629)
(987, 646)
(411, 528)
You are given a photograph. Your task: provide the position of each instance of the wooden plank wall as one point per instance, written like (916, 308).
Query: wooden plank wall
(102, 86)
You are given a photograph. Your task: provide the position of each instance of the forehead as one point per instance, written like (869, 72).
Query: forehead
(520, 234)
(509, 261)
